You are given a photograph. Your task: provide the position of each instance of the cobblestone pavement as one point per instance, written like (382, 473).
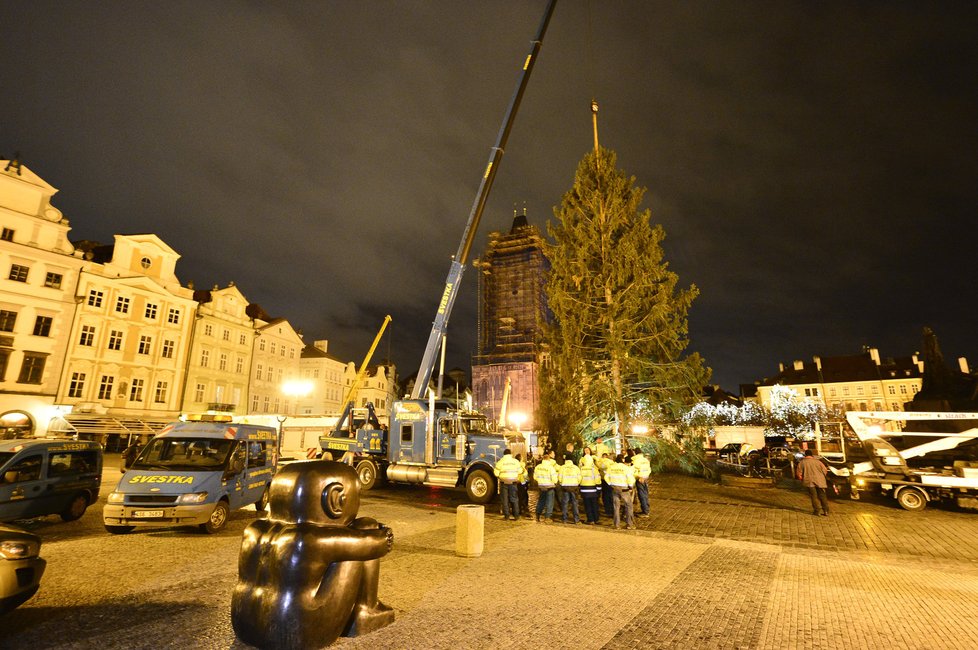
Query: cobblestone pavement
(713, 567)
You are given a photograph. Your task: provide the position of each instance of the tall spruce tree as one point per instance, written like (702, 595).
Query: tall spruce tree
(621, 326)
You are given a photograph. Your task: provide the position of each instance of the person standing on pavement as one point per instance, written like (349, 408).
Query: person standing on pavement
(508, 471)
(587, 459)
(603, 464)
(643, 470)
(545, 475)
(590, 485)
(621, 478)
(812, 472)
(570, 481)
(522, 488)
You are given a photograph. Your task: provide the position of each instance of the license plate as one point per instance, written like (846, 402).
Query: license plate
(147, 513)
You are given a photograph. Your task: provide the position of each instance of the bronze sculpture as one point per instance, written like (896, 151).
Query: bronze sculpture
(308, 573)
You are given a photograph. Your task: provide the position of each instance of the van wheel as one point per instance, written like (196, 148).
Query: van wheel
(75, 509)
(217, 520)
(367, 473)
(262, 503)
(118, 530)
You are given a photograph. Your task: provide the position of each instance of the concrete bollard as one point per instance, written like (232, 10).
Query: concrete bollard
(469, 525)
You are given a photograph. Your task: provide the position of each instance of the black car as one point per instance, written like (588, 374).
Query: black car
(21, 567)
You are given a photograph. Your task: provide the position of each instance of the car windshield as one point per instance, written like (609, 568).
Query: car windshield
(188, 454)
(474, 425)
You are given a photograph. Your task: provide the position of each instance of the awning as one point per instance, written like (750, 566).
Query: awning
(88, 424)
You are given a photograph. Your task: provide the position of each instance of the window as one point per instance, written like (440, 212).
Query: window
(407, 432)
(145, 263)
(168, 349)
(53, 280)
(903, 389)
(18, 273)
(261, 345)
(95, 298)
(115, 340)
(814, 392)
(257, 454)
(145, 344)
(222, 363)
(845, 390)
(205, 357)
(173, 316)
(254, 404)
(32, 369)
(28, 469)
(42, 326)
(891, 390)
(105, 387)
(859, 390)
(208, 330)
(226, 335)
(7, 320)
(292, 353)
(160, 397)
(258, 375)
(241, 339)
(876, 391)
(7, 234)
(267, 401)
(271, 347)
(199, 393)
(150, 312)
(4, 358)
(136, 390)
(276, 409)
(77, 384)
(239, 365)
(122, 305)
(87, 335)
(283, 351)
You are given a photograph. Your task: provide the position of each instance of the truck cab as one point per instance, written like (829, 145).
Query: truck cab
(194, 474)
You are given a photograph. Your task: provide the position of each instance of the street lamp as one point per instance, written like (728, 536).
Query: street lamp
(293, 388)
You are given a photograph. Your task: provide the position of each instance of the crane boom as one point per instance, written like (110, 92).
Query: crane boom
(440, 325)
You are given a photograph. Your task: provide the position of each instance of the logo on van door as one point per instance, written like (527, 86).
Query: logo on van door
(162, 479)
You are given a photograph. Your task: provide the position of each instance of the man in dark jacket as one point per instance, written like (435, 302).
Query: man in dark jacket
(812, 473)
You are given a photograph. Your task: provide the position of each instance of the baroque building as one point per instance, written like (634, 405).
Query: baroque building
(513, 311)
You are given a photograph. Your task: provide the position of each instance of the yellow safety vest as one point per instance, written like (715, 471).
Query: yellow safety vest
(643, 468)
(508, 469)
(590, 476)
(544, 475)
(618, 475)
(570, 474)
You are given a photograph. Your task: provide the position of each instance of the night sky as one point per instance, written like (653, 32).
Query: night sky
(813, 164)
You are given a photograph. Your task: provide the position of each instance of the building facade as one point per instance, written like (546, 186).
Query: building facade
(326, 375)
(278, 347)
(513, 311)
(39, 271)
(860, 382)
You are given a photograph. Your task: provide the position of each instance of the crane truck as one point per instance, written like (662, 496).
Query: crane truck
(432, 441)
(886, 467)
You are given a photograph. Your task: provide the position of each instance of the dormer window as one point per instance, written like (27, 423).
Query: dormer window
(145, 263)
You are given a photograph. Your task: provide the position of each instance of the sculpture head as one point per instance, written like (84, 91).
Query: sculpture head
(318, 491)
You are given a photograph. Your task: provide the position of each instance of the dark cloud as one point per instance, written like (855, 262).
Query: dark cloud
(813, 164)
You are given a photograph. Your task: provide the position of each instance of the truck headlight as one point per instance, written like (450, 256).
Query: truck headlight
(116, 497)
(19, 550)
(192, 497)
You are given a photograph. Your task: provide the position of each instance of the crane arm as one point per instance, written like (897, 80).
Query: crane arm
(440, 325)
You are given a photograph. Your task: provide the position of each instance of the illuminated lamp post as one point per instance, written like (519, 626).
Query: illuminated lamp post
(293, 389)
(517, 420)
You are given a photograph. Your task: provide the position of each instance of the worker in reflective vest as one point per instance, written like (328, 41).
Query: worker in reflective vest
(570, 481)
(508, 471)
(522, 488)
(545, 475)
(603, 464)
(590, 485)
(621, 478)
(643, 469)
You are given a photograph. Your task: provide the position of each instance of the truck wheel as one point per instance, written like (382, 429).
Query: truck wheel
(75, 509)
(218, 518)
(912, 499)
(262, 503)
(118, 530)
(367, 473)
(480, 486)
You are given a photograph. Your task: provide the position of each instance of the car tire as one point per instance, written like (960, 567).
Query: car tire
(218, 518)
(76, 508)
(118, 530)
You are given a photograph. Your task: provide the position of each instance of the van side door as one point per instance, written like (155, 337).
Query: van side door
(22, 487)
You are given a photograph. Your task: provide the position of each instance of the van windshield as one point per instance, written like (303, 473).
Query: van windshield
(188, 454)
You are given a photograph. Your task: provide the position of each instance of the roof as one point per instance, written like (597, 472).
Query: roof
(858, 367)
